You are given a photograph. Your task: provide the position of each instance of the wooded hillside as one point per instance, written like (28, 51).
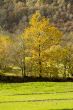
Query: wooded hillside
(15, 14)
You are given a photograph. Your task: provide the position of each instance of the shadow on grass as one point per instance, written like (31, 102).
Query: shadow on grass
(18, 79)
(62, 109)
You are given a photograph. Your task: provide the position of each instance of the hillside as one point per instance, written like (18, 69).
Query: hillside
(15, 14)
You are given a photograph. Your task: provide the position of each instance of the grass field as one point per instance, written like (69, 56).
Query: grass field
(36, 96)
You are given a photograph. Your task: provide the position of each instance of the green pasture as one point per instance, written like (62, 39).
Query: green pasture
(36, 96)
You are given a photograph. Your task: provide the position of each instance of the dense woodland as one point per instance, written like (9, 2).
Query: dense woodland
(15, 14)
(36, 38)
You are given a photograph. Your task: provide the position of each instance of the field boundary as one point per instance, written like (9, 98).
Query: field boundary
(39, 93)
(19, 79)
(45, 100)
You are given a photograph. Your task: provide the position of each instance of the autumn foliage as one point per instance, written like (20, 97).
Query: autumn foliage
(38, 51)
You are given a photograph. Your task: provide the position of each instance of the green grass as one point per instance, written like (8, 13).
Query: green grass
(36, 96)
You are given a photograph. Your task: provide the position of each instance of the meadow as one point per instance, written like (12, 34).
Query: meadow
(36, 96)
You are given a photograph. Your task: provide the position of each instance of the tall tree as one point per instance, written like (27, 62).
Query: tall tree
(40, 35)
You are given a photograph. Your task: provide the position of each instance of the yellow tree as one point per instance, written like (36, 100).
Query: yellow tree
(61, 58)
(58, 59)
(4, 49)
(40, 35)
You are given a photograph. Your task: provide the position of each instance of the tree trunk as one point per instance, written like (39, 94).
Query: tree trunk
(23, 69)
(64, 75)
(40, 63)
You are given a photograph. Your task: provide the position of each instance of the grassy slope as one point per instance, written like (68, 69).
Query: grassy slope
(27, 96)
